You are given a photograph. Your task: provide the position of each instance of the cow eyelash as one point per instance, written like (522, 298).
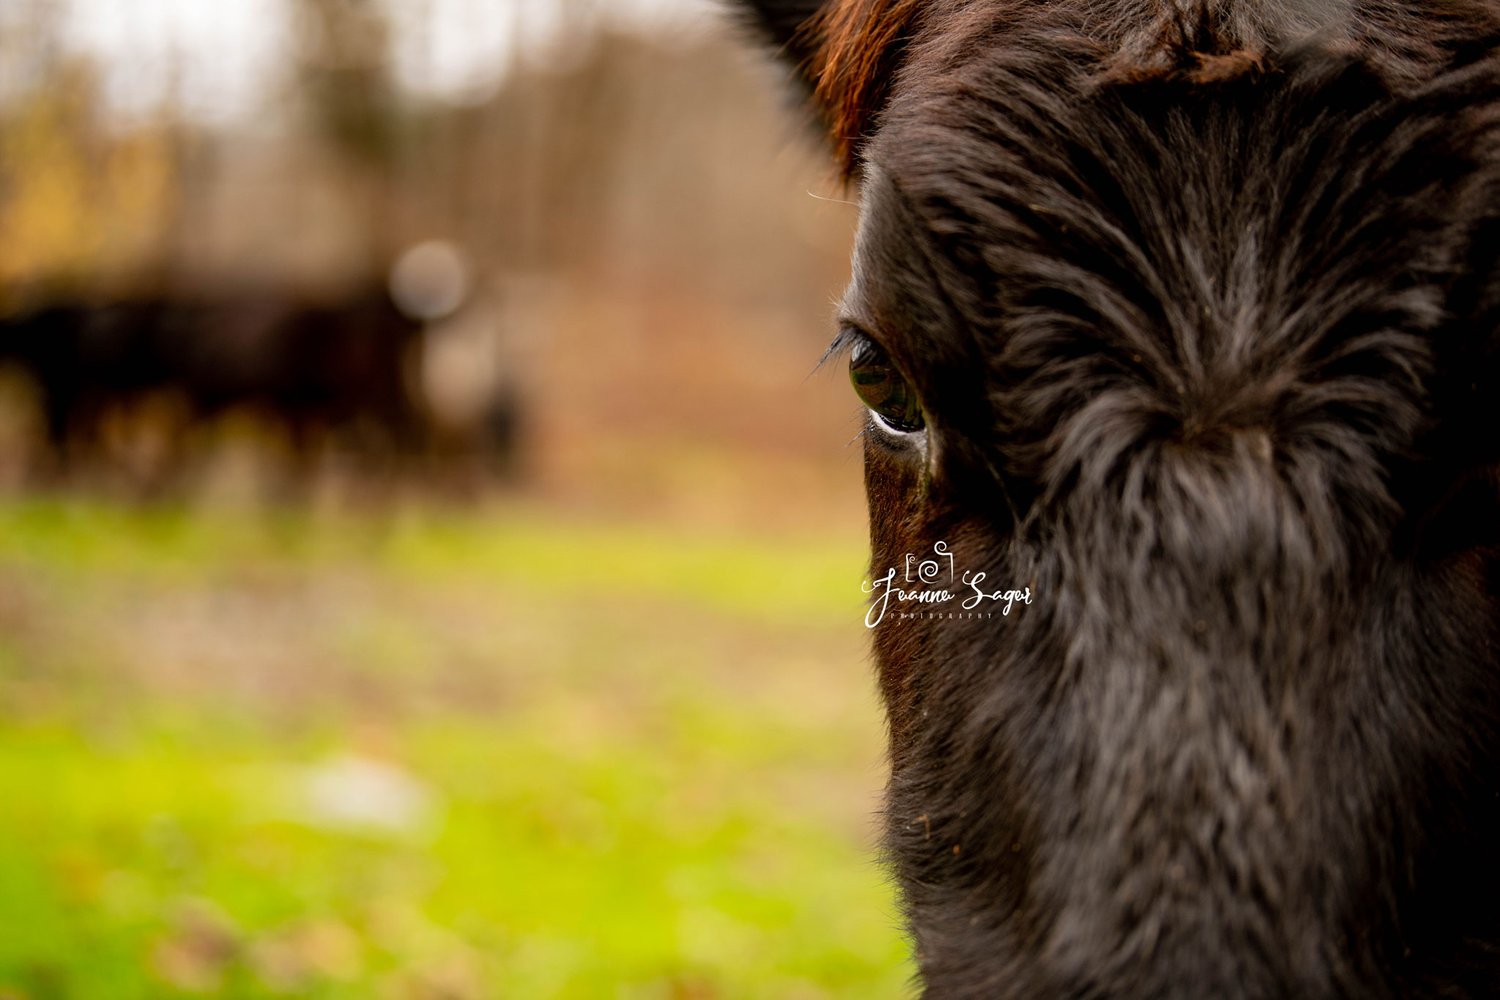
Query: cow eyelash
(882, 387)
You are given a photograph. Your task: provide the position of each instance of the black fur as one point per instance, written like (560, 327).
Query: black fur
(1201, 300)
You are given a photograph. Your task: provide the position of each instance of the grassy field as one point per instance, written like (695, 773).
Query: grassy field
(433, 754)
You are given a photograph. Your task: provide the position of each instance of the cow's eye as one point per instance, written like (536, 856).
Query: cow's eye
(883, 388)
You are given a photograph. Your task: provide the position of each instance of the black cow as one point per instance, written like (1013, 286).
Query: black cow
(1178, 318)
(316, 368)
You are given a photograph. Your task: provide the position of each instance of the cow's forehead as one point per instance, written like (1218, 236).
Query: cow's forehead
(997, 111)
(990, 151)
(1195, 234)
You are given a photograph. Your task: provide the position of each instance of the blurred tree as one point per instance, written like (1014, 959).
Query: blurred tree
(343, 55)
(83, 204)
(344, 78)
(49, 189)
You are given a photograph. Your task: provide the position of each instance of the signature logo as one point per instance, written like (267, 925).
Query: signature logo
(923, 575)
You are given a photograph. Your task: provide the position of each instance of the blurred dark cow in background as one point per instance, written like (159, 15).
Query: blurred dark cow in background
(1183, 314)
(340, 375)
(312, 367)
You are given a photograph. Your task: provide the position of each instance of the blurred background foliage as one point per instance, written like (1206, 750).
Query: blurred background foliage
(479, 620)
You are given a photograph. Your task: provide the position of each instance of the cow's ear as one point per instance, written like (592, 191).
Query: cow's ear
(791, 28)
(846, 53)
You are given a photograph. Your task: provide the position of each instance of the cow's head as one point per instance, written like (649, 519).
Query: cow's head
(1181, 314)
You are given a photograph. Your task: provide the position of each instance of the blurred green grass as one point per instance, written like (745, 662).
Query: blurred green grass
(434, 753)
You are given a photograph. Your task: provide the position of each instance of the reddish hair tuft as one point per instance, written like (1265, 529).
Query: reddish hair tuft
(858, 46)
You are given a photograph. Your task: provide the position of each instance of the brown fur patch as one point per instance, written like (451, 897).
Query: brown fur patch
(1187, 42)
(1193, 67)
(858, 45)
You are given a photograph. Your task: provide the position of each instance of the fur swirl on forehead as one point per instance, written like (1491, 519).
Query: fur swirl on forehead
(855, 50)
